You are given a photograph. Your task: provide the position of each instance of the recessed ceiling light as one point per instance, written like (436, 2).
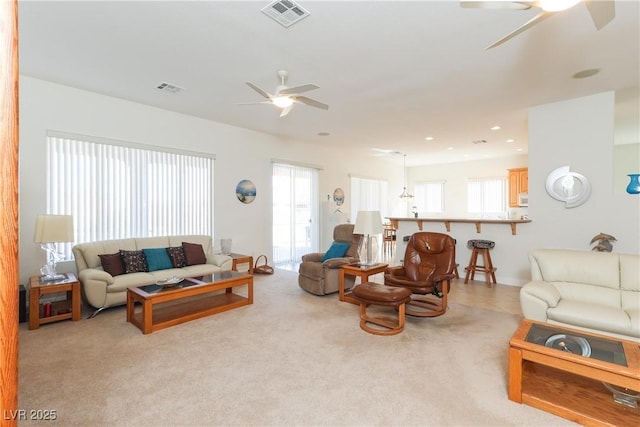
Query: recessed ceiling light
(429, 138)
(510, 140)
(323, 134)
(586, 73)
(519, 149)
(450, 148)
(496, 128)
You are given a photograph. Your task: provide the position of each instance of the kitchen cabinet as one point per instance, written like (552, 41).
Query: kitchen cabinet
(518, 183)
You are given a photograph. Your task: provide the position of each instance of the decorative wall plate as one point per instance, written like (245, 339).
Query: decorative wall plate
(569, 187)
(246, 191)
(338, 196)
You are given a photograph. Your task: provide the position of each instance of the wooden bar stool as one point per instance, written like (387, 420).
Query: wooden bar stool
(388, 240)
(481, 247)
(369, 293)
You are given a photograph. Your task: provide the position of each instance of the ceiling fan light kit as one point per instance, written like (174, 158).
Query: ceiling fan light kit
(601, 11)
(286, 97)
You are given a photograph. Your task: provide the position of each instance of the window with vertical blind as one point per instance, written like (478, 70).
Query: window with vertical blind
(429, 196)
(116, 190)
(295, 212)
(368, 195)
(487, 196)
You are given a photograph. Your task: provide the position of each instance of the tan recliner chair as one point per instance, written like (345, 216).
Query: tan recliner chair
(322, 278)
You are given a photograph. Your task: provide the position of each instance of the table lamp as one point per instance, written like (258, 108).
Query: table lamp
(52, 229)
(368, 223)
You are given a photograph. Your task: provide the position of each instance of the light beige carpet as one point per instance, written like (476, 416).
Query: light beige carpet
(291, 358)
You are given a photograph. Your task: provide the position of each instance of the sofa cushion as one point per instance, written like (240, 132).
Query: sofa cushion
(176, 253)
(599, 317)
(151, 242)
(194, 253)
(157, 259)
(336, 250)
(562, 265)
(112, 264)
(134, 261)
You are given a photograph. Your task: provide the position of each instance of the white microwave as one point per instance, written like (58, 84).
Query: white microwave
(523, 199)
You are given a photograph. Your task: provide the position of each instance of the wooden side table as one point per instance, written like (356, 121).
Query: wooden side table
(60, 310)
(241, 259)
(357, 270)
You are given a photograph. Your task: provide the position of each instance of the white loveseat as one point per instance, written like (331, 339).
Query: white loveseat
(102, 290)
(592, 291)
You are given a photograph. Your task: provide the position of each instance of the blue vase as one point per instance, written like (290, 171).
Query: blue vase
(634, 183)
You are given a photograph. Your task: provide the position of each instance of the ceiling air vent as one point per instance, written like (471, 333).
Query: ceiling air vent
(168, 87)
(286, 12)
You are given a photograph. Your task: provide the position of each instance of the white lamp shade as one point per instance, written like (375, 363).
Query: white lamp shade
(54, 229)
(368, 222)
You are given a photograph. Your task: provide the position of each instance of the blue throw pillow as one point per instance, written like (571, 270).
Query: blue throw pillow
(336, 250)
(157, 259)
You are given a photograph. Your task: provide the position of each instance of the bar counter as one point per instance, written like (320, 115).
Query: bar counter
(447, 222)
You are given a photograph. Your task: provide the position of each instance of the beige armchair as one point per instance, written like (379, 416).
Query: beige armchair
(322, 277)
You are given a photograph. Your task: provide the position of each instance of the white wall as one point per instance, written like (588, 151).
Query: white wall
(240, 154)
(579, 133)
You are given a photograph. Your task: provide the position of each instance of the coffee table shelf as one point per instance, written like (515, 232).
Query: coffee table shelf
(570, 385)
(151, 309)
(573, 397)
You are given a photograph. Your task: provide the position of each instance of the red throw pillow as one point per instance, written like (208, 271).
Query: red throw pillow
(112, 264)
(194, 253)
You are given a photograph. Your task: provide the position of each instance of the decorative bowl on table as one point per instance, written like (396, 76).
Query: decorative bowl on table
(623, 396)
(168, 282)
(570, 344)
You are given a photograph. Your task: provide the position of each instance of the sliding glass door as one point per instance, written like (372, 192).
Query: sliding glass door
(295, 212)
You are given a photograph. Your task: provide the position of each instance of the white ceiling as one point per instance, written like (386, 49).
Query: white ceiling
(392, 72)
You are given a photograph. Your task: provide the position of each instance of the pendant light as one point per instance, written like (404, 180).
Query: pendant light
(404, 194)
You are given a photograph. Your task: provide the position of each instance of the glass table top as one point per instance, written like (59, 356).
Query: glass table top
(607, 350)
(190, 282)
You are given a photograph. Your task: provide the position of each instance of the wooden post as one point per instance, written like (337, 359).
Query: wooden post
(9, 212)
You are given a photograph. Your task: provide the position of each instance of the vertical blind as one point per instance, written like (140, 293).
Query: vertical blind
(368, 195)
(295, 212)
(487, 196)
(430, 196)
(119, 191)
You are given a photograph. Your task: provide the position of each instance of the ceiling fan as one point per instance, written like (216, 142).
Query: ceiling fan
(601, 11)
(286, 97)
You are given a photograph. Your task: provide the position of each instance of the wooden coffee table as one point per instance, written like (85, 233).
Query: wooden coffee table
(568, 384)
(153, 307)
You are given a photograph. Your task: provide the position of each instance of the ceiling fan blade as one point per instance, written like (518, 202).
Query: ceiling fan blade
(601, 11)
(286, 110)
(254, 103)
(260, 91)
(533, 21)
(298, 89)
(495, 4)
(310, 102)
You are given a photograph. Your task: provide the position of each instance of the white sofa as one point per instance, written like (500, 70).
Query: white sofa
(102, 290)
(593, 291)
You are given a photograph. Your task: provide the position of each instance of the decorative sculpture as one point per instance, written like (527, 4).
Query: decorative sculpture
(604, 242)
